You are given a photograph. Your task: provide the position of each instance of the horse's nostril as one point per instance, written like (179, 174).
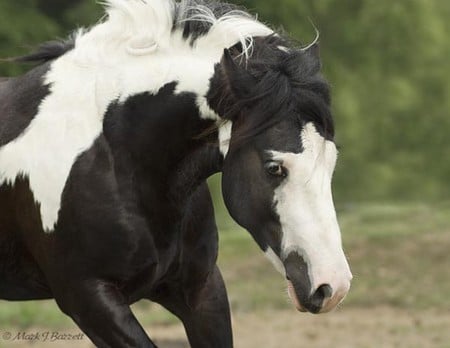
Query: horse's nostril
(323, 292)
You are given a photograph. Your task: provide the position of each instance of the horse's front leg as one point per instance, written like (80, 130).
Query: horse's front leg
(208, 324)
(102, 312)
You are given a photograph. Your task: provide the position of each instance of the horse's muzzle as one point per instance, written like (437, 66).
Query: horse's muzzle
(307, 297)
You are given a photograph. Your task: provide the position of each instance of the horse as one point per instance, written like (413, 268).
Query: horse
(105, 148)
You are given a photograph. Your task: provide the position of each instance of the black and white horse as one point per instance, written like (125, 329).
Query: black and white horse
(105, 147)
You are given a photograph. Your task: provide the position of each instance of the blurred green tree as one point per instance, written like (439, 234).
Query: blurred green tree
(21, 24)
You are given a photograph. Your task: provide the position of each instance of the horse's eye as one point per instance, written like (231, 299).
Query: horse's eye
(276, 169)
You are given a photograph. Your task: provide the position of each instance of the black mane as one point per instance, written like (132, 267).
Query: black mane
(276, 82)
(289, 80)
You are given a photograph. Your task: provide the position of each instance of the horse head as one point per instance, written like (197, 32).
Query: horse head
(279, 164)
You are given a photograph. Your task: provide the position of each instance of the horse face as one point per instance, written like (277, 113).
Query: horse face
(278, 186)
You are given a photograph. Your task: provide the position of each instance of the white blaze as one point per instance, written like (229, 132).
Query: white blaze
(305, 206)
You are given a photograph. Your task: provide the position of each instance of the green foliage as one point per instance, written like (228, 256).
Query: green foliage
(20, 25)
(387, 63)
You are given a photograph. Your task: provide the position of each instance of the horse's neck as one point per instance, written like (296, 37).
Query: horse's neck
(165, 135)
(193, 171)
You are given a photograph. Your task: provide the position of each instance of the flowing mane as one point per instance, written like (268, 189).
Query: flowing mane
(144, 27)
(162, 36)
(199, 22)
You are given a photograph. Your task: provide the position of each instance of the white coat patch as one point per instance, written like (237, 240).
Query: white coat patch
(66, 124)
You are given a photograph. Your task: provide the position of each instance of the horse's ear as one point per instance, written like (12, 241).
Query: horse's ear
(238, 80)
(228, 64)
(231, 87)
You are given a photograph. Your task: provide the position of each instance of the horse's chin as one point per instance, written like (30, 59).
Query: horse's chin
(294, 298)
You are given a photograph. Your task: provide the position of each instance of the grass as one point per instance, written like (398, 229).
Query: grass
(399, 255)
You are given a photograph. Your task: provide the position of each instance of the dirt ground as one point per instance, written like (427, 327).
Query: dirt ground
(377, 327)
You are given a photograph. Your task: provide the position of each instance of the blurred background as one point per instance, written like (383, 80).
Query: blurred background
(389, 67)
